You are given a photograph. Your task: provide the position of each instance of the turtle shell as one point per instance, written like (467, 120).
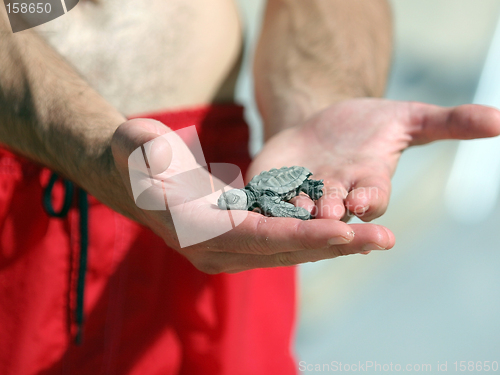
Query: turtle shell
(280, 181)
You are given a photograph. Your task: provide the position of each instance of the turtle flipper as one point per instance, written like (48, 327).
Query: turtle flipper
(313, 188)
(274, 206)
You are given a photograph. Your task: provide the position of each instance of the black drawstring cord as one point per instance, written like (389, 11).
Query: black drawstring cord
(47, 197)
(83, 205)
(84, 240)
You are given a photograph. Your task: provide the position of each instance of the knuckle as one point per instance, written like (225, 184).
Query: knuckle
(258, 245)
(209, 267)
(285, 259)
(338, 251)
(253, 245)
(261, 243)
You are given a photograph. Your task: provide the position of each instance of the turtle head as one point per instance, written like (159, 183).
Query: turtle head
(235, 199)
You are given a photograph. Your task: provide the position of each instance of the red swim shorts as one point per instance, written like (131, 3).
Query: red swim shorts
(147, 310)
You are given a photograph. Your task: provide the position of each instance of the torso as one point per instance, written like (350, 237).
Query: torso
(154, 55)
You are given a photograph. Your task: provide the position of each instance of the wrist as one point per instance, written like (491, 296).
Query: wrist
(91, 165)
(104, 181)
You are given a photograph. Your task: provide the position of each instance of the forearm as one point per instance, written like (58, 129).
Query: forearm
(50, 114)
(316, 52)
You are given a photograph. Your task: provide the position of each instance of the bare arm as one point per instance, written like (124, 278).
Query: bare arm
(319, 63)
(314, 53)
(51, 115)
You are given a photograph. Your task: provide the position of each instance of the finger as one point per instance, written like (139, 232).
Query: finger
(369, 197)
(303, 201)
(371, 237)
(258, 234)
(159, 155)
(135, 133)
(331, 204)
(368, 237)
(430, 123)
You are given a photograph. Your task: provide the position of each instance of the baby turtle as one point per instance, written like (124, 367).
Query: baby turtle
(270, 191)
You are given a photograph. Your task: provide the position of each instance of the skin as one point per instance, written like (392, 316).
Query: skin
(357, 172)
(313, 63)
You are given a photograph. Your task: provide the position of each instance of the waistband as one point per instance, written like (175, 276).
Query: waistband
(217, 125)
(220, 115)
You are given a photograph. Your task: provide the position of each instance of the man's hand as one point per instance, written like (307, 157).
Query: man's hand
(258, 241)
(355, 145)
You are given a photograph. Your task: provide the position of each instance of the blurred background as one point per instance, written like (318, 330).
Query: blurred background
(436, 295)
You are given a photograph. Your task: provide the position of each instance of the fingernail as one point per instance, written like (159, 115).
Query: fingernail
(372, 246)
(338, 240)
(341, 240)
(362, 210)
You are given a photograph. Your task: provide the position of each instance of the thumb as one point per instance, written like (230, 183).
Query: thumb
(431, 123)
(146, 134)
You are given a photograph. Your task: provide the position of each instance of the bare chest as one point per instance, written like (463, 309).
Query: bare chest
(148, 55)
